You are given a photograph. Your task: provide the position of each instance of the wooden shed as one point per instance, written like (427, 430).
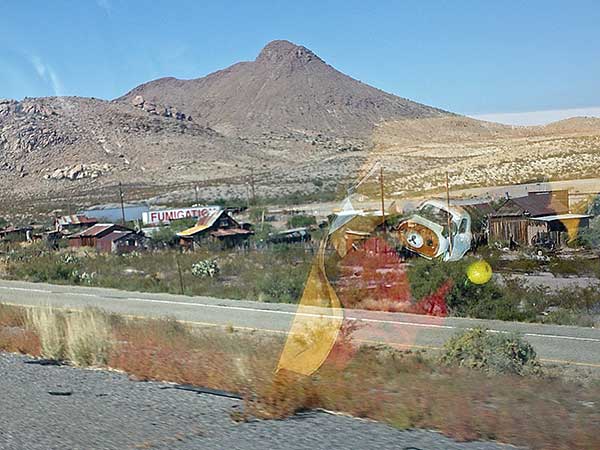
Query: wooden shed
(536, 218)
(107, 237)
(219, 226)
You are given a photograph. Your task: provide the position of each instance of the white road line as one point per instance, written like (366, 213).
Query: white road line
(25, 289)
(289, 313)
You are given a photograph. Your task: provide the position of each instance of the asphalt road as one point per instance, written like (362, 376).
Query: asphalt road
(553, 343)
(60, 407)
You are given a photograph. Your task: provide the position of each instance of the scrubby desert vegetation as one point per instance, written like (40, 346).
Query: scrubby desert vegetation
(278, 273)
(479, 387)
(418, 153)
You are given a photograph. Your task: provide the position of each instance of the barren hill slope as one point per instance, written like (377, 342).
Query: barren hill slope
(477, 153)
(287, 122)
(66, 144)
(286, 89)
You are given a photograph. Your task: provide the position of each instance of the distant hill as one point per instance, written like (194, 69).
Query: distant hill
(287, 88)
(286, 122)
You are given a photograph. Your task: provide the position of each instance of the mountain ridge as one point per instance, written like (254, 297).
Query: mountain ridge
(286, 88)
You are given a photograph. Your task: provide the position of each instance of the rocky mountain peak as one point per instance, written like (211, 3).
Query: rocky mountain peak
(282, 50)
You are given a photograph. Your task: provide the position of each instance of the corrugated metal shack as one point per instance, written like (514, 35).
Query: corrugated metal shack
(108, 237)
(539, 217)
(68, 224)
(16, 234)
(219, 226)
(290, 236)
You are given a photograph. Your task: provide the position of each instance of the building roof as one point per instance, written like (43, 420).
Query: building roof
(116, 235)
(561, 217)
(204, 223)
(231, 232)
(536, 204)
(294, 230)
(76, 220)
(99, 228)
(13, 229)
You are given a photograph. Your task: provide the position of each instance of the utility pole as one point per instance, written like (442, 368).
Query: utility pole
(252, 186)
(382, 197)
(122, 205)
(179, 271)
(196, 190)
(448, 213)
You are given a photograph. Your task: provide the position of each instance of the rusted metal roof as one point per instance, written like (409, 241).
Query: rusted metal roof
(98, 229)
(562, 217)
(203, 224)
(231, 232)
(76, 220)
(115, 235)
(534, 205)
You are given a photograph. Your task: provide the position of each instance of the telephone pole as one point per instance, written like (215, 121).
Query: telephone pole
(252, 186)
(122, 205)
(382, 197)
(448, 213)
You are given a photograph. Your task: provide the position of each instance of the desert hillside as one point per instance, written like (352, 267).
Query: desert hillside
(476, 153)
(286, 89)
(286, 122)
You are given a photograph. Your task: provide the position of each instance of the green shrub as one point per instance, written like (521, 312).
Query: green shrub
(205, 268)
(465, 298)
(301, 221)
(523, 265)
(565, 317)
(496, 353)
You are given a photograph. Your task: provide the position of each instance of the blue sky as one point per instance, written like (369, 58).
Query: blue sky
(472, 57)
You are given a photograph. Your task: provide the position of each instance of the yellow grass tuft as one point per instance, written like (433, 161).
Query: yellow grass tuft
(49, 325)
(88, 338)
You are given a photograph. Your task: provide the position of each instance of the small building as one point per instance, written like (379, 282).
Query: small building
(217, 226)
(108, 237)
(11, 233)
(73, 223)
(290, 236)
(539, 217)
(122, 242)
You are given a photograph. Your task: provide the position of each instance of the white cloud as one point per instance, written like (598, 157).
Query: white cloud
(105, 5)
(538, 117)
(47, 74)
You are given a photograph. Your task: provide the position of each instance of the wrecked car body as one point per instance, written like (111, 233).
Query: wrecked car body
(437, 230)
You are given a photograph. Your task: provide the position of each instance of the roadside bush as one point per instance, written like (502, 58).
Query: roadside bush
(564, 317)
(301, 220)
(88, 338)
(163, 237)
(511, 300)
(465, 298)
(282, 286)
(590, 237)
(49, 325)
(523, 265)
(205, 268)
(491, 352)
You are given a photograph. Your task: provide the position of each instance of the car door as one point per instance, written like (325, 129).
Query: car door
(461, 242)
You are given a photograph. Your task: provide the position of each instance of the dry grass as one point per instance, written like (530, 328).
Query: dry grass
(419, 152)
(406, 389)
(83, 338)
(49, 325)
(88, 338)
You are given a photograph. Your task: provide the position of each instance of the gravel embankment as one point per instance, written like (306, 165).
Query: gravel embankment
(53, 407)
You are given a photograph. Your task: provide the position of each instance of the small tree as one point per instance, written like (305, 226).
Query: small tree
(491, 352)
(301, 220)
